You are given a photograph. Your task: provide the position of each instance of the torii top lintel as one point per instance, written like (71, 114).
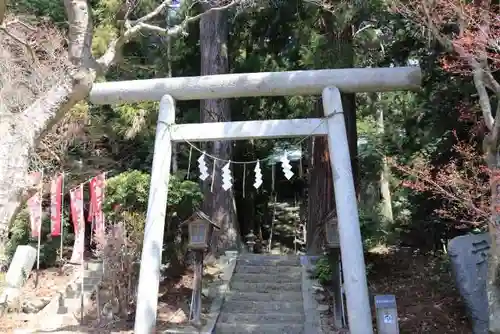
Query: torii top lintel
(352, 80)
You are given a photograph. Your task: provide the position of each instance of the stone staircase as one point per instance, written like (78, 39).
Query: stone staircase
(286, 229)
(265, 296)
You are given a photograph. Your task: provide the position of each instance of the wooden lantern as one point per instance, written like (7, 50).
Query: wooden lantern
(200, 229)
(331, 231)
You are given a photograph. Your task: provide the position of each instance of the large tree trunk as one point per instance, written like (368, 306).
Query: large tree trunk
(218, 204)
(21, 132)
(321, 198)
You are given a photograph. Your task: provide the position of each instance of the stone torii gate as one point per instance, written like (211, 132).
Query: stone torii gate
(329, 83)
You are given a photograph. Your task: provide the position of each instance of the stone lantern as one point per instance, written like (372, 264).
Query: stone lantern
(250, 241)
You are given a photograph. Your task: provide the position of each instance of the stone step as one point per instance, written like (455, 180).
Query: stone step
(267, 318)
(268, 277)
(94, 265)
(264, 296)
(225, 328)
(92, 274)
(268, 260)
(235, 306)
(64, 308)
(285, 270)
(266, 287)
(74, 289)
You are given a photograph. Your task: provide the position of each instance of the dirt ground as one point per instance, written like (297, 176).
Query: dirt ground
(173, 303)
(47, 282)
(425, 292)
(173, 306)
(43, 284)
(427, 299)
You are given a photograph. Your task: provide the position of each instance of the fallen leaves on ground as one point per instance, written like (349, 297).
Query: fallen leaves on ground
(426, 296)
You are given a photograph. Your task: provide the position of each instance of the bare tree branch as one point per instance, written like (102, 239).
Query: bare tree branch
(484, 98)
(110, 57)
(23, 75)
(477, 26)
(4, 28)
(80, 32)
(157, 11)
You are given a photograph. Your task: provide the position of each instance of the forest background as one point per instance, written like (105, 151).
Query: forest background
(417, 157)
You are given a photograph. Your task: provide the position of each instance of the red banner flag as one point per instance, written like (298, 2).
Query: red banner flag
(55, 205)
(35, 211)
(97, 185)
(76, 204)
(76, 198)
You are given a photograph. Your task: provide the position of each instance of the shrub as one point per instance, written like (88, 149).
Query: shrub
(323, 271)
(20, 234)
(120, 249)
(129, 192)
(120, 254)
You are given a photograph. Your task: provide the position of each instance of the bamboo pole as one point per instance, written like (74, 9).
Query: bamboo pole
(40, 189)
(62, 219)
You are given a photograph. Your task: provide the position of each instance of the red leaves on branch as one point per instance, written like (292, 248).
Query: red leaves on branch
(470, 30)
(462, 185)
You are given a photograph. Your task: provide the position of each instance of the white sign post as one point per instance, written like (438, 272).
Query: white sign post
(387, 314)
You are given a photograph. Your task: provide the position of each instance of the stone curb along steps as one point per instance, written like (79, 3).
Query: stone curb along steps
(267, 295)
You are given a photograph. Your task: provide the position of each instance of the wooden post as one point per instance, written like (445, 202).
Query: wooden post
(82, 269)
(195, 312)
(40, 198)
(334, 259)
(62, 219)
(333, 245)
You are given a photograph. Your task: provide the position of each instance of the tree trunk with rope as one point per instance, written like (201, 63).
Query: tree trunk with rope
(321, 199)
(218, 203)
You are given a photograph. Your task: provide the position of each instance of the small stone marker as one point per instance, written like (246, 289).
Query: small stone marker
(19, 270)
(469, 255)
(21, 266)
(387, 314)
